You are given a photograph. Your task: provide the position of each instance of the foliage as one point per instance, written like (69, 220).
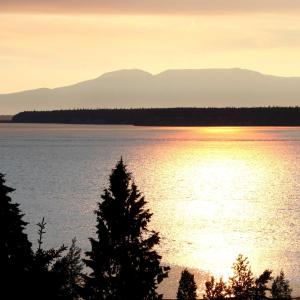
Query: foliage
(15, 249)
(261, 285)
(242, 281)
(216, 290)
(242, 285)
(281, 288)
(43, 259)
(187, 287)
(14, 245)
(69, 269)
(123, 261)
(47, 283)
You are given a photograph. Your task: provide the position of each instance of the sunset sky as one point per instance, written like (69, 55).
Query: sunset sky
(58, 42)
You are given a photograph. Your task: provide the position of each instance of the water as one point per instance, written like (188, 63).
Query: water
(214, 192)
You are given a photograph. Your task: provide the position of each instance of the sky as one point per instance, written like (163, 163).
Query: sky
(59, 42)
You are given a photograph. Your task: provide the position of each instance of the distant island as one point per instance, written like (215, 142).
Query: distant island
(230, 116)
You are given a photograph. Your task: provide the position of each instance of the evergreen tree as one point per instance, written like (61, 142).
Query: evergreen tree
(187, 286)
(281, 288)
(123, 261)
(47, 284)
(15, 249)
(69, 269)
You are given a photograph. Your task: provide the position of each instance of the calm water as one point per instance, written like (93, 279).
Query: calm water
(214, 192)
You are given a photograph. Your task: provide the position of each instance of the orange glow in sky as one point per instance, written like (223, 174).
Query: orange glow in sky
(42, 49)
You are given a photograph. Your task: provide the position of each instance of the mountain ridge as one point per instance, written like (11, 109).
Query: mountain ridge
(171, 88)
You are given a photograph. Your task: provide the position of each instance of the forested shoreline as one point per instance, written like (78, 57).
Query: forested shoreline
(229, 116)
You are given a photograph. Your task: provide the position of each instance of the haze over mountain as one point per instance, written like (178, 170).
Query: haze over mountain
(172, 88)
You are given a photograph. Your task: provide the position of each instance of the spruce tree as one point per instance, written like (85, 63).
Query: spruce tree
(187, 286)
(47, 284)
(15, 249)
(123, 260)
(69, 270)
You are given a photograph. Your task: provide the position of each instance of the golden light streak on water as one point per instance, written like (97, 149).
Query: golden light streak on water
(214, 192)
(216, 198)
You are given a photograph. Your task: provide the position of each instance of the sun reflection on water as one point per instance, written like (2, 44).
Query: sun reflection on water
(217, 184)
(215, 199)
(214, 192)
(219, 130)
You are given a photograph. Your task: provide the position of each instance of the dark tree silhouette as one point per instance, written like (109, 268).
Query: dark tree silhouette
(242, 281)
(281, 288)
(123, 261)
(184, 116)
(216, 290)
(15, 249)
(69, 269)
(47, 284)
(187, 286)
(244, 286)
(261, 285)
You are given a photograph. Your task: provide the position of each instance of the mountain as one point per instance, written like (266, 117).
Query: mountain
(172, 88)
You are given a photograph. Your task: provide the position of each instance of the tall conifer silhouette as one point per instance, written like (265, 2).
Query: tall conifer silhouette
(15, 249)
(123, 260)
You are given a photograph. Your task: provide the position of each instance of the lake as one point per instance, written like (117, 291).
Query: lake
(214, 192)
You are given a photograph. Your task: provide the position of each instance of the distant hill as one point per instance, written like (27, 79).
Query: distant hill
(173, 88)
(254, 116)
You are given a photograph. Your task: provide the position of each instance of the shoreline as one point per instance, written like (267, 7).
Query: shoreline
(168, 117)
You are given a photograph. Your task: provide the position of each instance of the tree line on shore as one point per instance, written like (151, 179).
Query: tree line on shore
(181, 116)
(122, 263)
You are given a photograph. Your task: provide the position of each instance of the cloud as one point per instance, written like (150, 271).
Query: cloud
(149, 6)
